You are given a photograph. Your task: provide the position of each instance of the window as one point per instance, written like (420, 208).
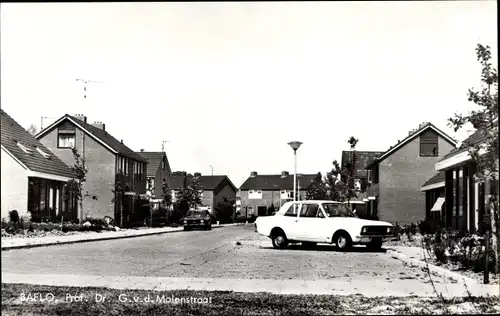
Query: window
(309, 210)
(337, 210)
(255, 194)
(66, 140)
(125, 166)
(24, 148)
(429, 144)
(163, 164)
(292, 211)
(44, 154)
(141, 171)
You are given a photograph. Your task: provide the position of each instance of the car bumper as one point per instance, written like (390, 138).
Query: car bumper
(367, 239)
(196, 224)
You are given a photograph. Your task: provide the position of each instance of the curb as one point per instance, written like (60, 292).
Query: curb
(77, 241)
(445, 273)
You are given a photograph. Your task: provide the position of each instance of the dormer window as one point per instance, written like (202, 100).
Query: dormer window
(41, 152)
(429, 142)
(24, 148)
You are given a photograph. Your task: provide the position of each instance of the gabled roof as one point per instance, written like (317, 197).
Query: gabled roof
(475, 139)
(437, 178)
(208, 183)
(363, 159)
(411, 137)
(102, 137)
(154, 159)
(276, 182)
(39, 158)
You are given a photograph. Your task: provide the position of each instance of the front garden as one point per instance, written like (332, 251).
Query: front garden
(454, 250)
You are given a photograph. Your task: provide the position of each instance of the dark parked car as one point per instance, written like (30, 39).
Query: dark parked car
(198, 219)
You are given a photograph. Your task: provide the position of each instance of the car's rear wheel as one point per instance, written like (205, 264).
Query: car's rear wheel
(375, 244)
(307, 244)
(343, 241)
(279, 240)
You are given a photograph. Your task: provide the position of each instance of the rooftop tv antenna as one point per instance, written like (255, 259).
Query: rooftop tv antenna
(86, 83)
(163, 144)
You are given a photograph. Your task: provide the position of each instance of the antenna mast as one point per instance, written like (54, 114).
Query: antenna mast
(85, 85)
(163, 144)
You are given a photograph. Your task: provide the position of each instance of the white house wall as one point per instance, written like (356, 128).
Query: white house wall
(14, 186)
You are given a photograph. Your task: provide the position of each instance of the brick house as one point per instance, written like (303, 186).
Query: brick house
(363, 159)
(395, 177)
(158, 170)
(33, 178)
(465, 199)
(107, 159)
(259, 192)
(215, 189)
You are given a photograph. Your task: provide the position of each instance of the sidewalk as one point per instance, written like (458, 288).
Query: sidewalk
(400, 288)
(18, 243)
(415, 256)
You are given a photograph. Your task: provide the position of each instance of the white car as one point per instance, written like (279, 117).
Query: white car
(311, 222)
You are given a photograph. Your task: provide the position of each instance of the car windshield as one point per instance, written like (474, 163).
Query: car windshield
(196, 214)
(337, 210)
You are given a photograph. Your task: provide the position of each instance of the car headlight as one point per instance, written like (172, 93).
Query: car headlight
(202, 221)
(388, 230)
(185, 222)
(363, 230)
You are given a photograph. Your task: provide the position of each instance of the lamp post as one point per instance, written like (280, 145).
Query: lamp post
(295, 145)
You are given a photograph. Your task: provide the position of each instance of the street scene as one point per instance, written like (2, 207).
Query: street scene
(279, 188)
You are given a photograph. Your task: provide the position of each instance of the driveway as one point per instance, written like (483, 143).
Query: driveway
(207, 254)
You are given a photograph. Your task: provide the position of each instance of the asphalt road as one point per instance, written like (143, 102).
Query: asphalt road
(206, 254)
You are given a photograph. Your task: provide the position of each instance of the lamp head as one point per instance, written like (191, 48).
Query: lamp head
(295, 145)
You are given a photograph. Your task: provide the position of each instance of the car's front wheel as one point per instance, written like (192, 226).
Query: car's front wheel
(343, 241)
(279, 240)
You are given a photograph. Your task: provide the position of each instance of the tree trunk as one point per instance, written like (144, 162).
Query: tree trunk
(494, 231)
(121, 212)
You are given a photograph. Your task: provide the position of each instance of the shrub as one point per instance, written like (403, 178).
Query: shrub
(440, 252)
(14, 216)
(5, 223)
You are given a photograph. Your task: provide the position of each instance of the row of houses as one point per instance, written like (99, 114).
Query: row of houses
(424, 175)
(36, 168)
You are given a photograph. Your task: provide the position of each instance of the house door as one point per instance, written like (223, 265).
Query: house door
(261, 210)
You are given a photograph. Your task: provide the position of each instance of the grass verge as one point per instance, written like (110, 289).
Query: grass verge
(25, 299)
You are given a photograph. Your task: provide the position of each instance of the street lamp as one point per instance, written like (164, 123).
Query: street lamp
(295, 145)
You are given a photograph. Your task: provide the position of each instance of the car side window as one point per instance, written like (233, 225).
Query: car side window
(292, 210)
(309, 210)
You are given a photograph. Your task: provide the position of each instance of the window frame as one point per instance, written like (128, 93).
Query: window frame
(71, 135)
(292, 207)
(429, 138)
(307, 210)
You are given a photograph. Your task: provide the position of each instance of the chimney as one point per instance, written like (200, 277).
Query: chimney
(99, 125)
(422, 124)
(81, 117)
(284, 174)
(121, 141)
(253, 174)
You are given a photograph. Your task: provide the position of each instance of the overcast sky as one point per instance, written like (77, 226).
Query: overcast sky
(230, 84)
